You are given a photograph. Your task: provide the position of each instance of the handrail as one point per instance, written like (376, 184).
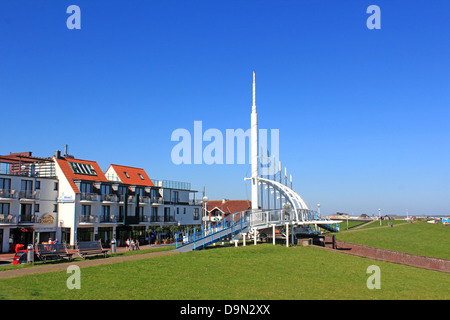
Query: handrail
(228, 224)
(241, 220)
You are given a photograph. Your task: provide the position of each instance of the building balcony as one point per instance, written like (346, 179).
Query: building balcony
(27, 218)
(162, 219)
(29, 195)
(88, 197)
(109, 198)
(156, 201)
(108, 219)
(88, 219)
(130, 199)
(144, 200)
(9, 219)
(6, 194)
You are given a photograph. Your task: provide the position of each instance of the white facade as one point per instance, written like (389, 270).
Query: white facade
(100, 214)
(34, 207)
(28, 207)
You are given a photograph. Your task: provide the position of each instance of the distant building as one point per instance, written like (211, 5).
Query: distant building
(220, 209)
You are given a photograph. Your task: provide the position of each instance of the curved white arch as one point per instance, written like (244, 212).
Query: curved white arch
(293, 197)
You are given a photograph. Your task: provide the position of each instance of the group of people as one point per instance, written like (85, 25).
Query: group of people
(132, 244)
(50, 241)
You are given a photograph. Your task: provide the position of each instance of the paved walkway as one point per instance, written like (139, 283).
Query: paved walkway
(85, 263)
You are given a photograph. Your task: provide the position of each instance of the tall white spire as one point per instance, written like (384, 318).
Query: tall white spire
(254, 149)
(254, 93)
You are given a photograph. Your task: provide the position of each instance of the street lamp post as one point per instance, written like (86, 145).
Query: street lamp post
(379, 215)
(205, 200)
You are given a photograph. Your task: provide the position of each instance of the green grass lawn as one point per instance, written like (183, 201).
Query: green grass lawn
(252, 272)
(419, 238)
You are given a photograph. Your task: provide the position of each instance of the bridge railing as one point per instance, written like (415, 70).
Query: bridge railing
(281, 216)
(231, 224)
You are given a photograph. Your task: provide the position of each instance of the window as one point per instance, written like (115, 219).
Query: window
(55, 208)
(106, 211)
(38, 185)
(139, 191)
(140, 176)
(154, 213)
(36, 207)
(25, 212)
(166, 214)
(184, 210)
(122, 190)
(106, 189)
(5, 184)
(82, 168)
(141, 211)
(85, 210)
(86, 187)
(196, 214)
(175, 197)
(121, 214)
(26, 185)
(55, 186)
(126, 174)
(4, 209)
(178, 210)
(155, 193)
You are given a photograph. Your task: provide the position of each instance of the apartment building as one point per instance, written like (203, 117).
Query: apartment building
(74, 200)
(28, 207)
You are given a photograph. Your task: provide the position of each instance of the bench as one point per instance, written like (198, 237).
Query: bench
(90, 248)
(52, 251)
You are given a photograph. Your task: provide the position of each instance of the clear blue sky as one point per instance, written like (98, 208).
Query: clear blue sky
(363, 114)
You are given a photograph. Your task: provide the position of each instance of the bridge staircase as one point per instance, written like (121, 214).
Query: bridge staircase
(251, 223)
(231, 227)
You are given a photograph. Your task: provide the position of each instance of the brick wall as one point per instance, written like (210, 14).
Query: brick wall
(393, 256)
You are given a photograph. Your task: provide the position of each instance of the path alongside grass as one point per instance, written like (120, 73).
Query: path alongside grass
(253, 272)
(50, 266)
(418, 238)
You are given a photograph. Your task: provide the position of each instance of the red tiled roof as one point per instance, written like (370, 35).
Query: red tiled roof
(71, 176)
(229, 206)
(136, 176)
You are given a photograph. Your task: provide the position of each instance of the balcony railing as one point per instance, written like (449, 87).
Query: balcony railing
(27, 218)
(162, 219)
(130, 199)
(157, 200)
(8, 194)
(27, 194)
(172, 184)
(89, 196)
(88, 219)
(25, 169)
(110, 197)
(110, 219)
(144, 199)
(9, 219)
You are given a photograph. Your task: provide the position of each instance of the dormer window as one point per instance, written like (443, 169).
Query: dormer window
(82, 168)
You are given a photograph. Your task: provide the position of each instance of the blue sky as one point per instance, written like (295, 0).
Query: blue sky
(363, 114)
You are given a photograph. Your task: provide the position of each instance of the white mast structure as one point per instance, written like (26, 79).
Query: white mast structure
(254, 150)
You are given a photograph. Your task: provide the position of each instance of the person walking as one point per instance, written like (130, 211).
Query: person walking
(136, 244)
